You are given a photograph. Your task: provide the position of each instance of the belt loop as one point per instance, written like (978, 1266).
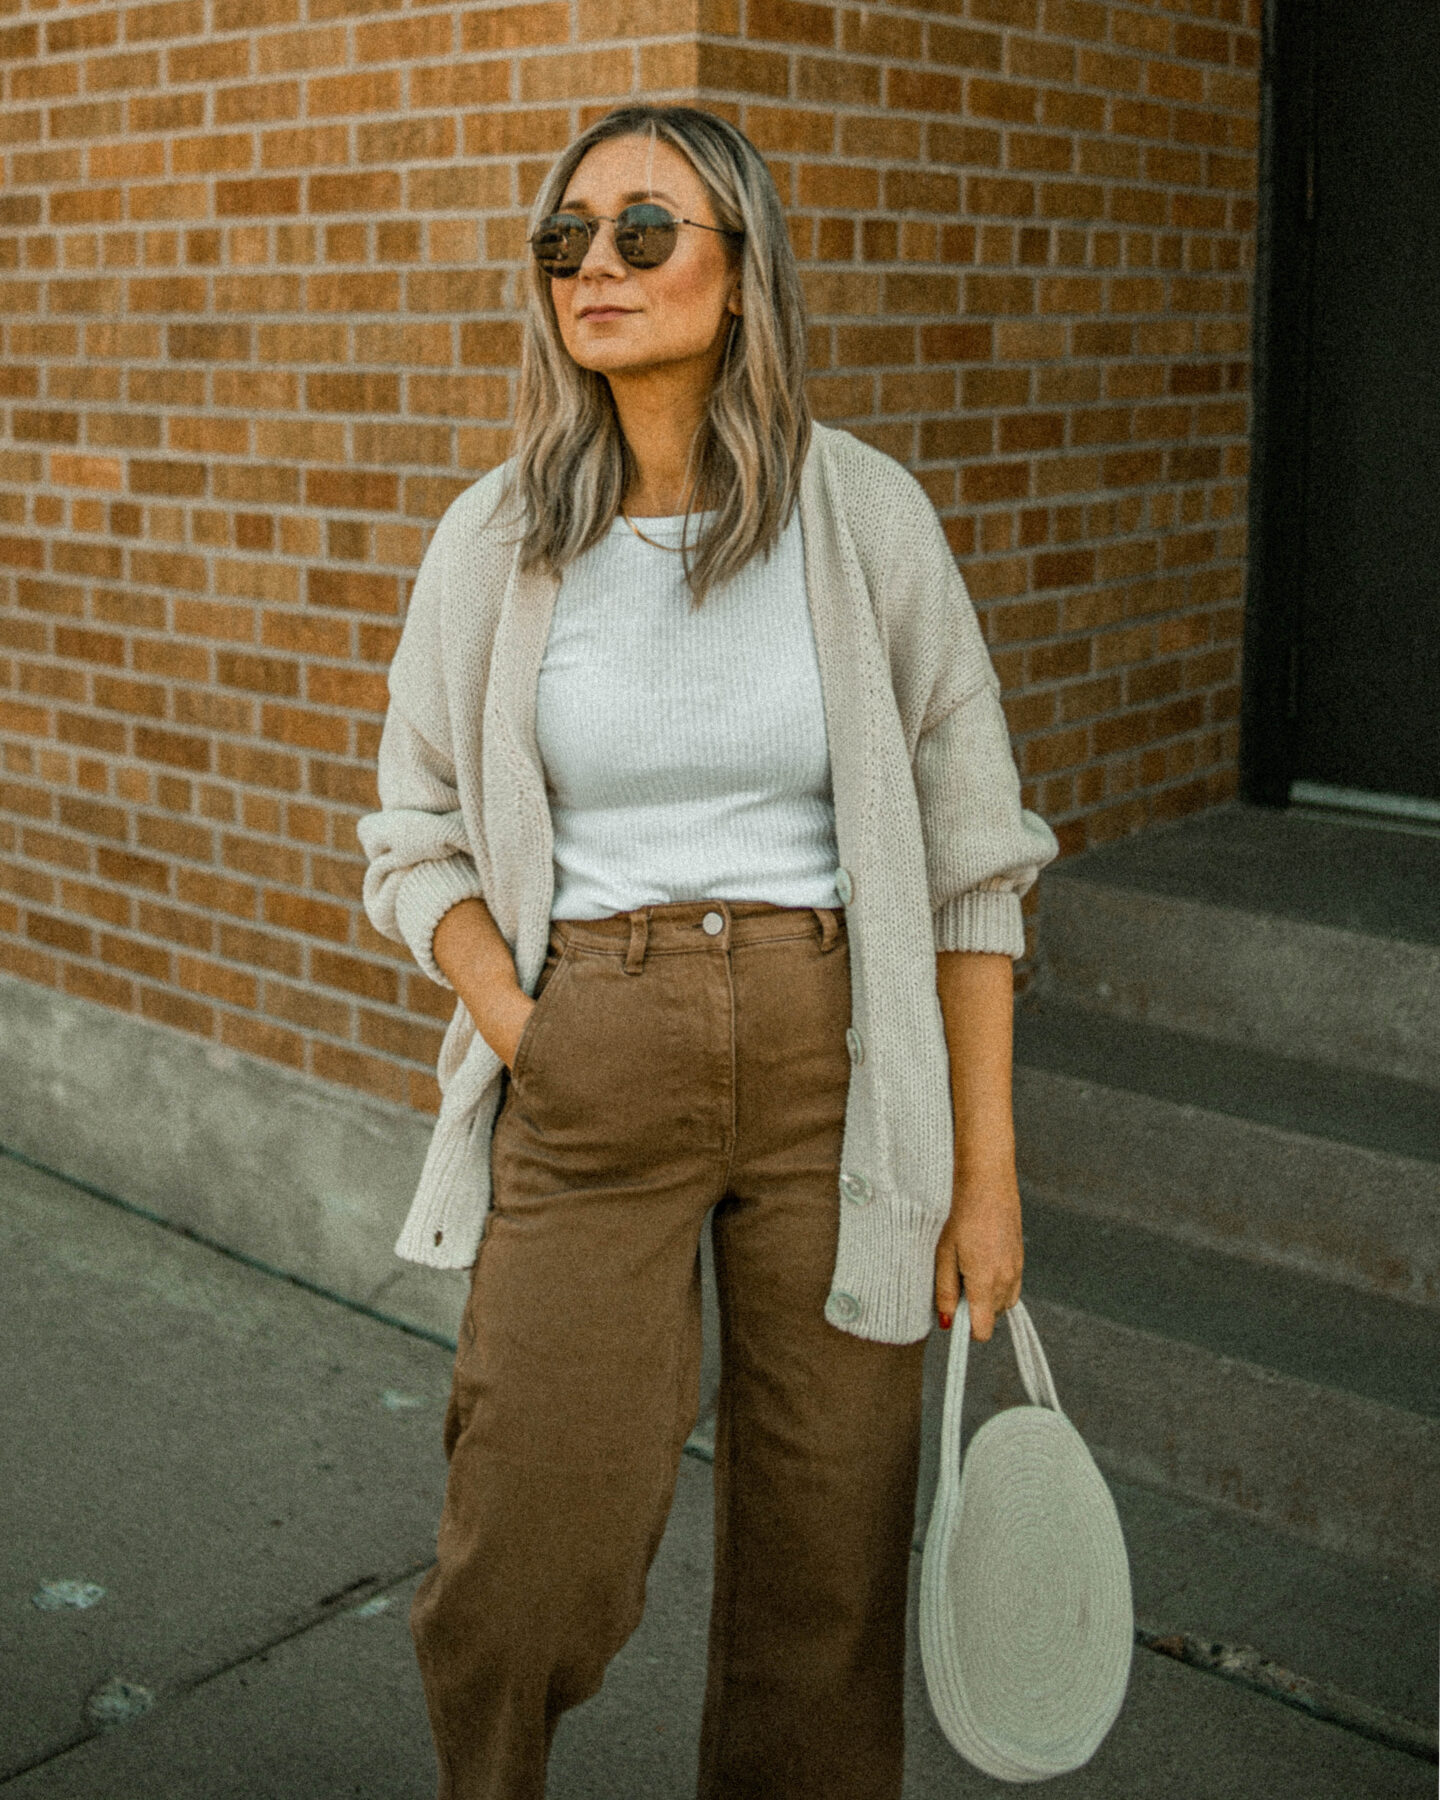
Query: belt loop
(639, 936)
(829, 930)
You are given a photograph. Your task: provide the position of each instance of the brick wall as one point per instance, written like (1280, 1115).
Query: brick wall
(257, 275)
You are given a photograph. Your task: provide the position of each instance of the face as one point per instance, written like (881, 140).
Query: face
(621, 321)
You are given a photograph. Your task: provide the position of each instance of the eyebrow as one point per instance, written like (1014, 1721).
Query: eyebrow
(625, 199)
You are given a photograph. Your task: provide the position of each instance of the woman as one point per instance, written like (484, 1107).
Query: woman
(697, 791)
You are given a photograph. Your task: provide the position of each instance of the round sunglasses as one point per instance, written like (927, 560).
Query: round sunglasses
(644, 235)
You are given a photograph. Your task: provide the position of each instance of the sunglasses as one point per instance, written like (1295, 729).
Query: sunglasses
(644, 235)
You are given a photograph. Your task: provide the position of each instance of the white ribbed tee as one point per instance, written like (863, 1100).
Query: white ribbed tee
(684, 748)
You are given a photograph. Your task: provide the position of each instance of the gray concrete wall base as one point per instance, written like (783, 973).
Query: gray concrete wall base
(300, 1175)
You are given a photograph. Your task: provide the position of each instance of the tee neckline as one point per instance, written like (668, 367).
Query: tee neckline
(666, 525)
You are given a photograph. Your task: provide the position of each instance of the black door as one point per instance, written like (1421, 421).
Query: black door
(1348, 564)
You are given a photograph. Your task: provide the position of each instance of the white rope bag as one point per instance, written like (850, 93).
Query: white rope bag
(1026, 1617)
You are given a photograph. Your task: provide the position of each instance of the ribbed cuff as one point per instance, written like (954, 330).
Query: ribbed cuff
(884, 1277)
(426, 895)
(984, 919)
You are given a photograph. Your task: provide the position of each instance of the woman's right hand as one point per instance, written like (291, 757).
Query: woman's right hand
(477, 963)
(503, 1034)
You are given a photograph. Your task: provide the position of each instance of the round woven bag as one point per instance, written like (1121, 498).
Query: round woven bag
(1026, 1617)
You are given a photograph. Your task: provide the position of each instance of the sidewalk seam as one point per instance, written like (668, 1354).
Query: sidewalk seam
(332, 1606)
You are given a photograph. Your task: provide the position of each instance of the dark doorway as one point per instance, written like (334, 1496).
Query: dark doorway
(1342, 700)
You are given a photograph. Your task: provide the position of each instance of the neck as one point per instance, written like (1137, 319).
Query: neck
(660, 411)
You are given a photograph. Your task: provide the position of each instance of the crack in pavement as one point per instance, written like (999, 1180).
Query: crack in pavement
(331, 1606)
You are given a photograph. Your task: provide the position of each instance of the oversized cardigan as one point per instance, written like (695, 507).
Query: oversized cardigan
(934, 847)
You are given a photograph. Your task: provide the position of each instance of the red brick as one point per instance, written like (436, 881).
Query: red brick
(170, 1008)
(404, 1038)
(100, 985)
(127, 869)
(372, 1074)
(175, 925)
(257, 1037)
(59, 934)
(313, 918)
(370, 981)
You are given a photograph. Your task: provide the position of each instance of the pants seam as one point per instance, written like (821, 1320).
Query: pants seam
(721, 1674)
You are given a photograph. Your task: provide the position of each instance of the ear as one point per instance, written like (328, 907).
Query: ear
(736, 302)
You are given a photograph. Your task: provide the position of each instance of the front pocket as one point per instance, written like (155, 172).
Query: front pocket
(555, 961)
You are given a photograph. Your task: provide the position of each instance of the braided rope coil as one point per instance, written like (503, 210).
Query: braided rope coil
(1026, 1616)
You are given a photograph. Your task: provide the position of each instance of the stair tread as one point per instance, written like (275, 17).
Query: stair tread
(1351, 1106)
(1319, 871)
(1289, 1322)
(1319, 1612)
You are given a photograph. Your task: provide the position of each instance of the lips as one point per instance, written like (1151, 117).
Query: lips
(605, 312)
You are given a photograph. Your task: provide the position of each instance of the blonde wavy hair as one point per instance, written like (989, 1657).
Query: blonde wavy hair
(571, 464)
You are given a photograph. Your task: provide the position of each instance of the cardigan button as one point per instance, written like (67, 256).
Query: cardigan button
(842, 1308)
(844, 887)
(856, 1188)
(854, 1046)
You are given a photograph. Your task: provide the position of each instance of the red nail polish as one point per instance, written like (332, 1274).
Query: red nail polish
(946, 1320)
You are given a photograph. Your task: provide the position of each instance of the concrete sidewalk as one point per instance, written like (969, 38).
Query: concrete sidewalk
(242, 1479)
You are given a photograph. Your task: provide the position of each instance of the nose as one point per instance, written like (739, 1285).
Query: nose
(602, 258)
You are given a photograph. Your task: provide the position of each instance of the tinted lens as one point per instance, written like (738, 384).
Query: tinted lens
(561, 243)
(645, 235)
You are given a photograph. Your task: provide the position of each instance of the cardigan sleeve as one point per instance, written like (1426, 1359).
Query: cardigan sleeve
(421, 861)
(983, 850)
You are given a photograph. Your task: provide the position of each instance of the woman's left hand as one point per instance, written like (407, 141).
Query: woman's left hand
(982, 1244)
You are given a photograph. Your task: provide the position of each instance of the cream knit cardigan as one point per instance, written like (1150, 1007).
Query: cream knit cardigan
(935, 849)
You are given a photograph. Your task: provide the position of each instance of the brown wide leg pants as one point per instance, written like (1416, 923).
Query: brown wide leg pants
(679, 1058)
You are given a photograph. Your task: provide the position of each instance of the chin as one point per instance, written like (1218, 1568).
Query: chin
(605, 359)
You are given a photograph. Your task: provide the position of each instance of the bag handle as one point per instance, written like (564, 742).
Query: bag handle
(1034, 1373)
(1034, 1369)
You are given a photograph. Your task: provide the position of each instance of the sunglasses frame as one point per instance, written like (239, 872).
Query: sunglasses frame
(590, 223)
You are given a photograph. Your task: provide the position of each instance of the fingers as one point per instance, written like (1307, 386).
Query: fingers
(990, 1290)
(947, 1286)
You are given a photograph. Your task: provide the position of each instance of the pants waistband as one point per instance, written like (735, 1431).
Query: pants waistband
(689, 925)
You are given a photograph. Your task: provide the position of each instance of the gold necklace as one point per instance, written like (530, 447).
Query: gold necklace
(674, 549)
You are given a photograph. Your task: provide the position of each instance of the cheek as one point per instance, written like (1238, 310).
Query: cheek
(693, 297)
(563, 296)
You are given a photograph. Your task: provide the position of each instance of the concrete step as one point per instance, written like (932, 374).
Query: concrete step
(1332, 1172)
(1266, 1392)
(1228, 1130)
(1278, 930)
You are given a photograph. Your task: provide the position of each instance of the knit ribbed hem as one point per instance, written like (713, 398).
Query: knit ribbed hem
(984, 919)
(885, 1265)
(446, 1220)
(426, 895)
